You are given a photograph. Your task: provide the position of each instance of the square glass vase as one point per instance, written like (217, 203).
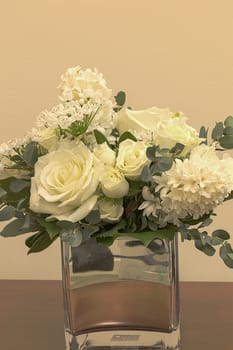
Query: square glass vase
(125, 296)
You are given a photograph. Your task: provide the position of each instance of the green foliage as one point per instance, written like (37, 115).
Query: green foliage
(127, 135)
(217, 131)
(146, 174)
(225, 253)
(226, 141)
(177, 149)
(228, 122)
(39, 242)
(7, 213)
(120, 99)
(17, 185)
(17, 227)
(203, 133)
(30, 153)
(93, 217)
(100, 138)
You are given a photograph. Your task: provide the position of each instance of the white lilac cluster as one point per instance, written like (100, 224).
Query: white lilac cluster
(192, 187)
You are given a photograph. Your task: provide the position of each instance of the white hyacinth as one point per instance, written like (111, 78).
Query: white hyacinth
(84, 85)
(195, 186)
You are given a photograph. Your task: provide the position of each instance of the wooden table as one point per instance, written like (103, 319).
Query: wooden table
(31, 315)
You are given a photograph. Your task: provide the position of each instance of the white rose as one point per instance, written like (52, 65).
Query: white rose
(65, 182)
(114, 184)
(47, 137)
(144, 120)
(131, 158)
(110, 210)
(166, 128)
(104, 153)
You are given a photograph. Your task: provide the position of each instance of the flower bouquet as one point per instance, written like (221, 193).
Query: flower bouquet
(93, 170)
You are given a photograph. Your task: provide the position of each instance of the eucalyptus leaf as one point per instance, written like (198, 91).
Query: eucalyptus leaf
(146, 174)
(222, 234)
(164, 163)
(178, 148)
(229, 121)
(224, 252)
(14, 228)
(30, 155)
(207, 248)
(7, 213)
(120, 98)
(228, 131)
(151, 152)
(217, 131)
(2, 192)
(17, 185)
(93, 217)
(226, 141)
(203, 132)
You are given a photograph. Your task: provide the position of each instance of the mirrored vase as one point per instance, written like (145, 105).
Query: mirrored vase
(125, 296)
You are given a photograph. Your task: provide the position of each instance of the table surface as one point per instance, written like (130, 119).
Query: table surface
(31, 315)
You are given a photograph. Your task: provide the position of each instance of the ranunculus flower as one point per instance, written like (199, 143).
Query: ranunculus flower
(110, 210)
(166, 128)
(65, 182)
(104, 153)
(114, 184)
(131, 158)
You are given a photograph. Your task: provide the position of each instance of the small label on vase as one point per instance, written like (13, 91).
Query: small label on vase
(125, 337)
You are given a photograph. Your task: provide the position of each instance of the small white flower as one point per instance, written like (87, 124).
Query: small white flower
(151, 203)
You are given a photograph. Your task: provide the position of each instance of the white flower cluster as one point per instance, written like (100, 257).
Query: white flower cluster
(84, 93)
(192, 187)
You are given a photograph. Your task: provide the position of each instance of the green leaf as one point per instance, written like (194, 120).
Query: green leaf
(30, 155)
(164, 163)
(146, 174)
(217, 131)
(14, 228)
(224, 235)
(2, 192)
(225, 253)
(144, 236)
(177, 149)
(18, 185)
(7, 213)
(226, 141)
(127, 135)
(206, 222)
(93, 217)
(203, 132)
(50, 227)
(120, 98)
(229, 121)
(100, 138)
(134, 188)
(228, 131)
(207, 248)
(151, 152)
(39, 242)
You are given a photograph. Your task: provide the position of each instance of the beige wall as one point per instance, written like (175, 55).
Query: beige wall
(174, 53)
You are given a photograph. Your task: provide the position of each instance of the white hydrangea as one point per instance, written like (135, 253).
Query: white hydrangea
(84, 85)
(196, 185)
